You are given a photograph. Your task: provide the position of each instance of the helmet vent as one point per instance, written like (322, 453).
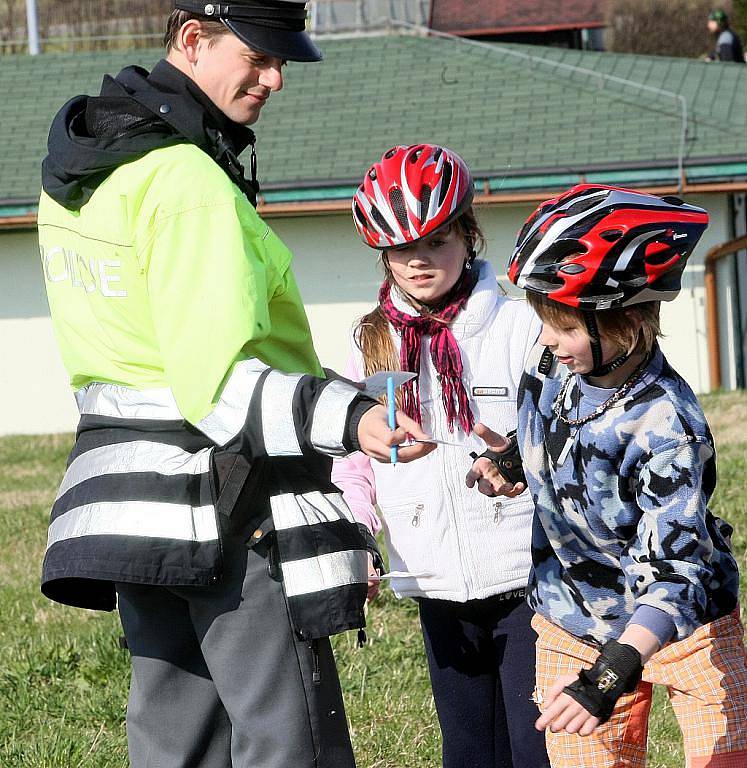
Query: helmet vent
(581, 206)
(445, 182)
(572, 269)
(381, 222)
(611, 235)
(359, 215)
(397, 200)
(425, 199)
(391, 153)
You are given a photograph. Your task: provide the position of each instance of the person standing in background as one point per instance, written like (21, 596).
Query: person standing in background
(728, 45)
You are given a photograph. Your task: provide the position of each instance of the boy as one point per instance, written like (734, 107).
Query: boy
(633, 579)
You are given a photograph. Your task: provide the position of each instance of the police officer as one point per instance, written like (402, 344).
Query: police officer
(197, 495)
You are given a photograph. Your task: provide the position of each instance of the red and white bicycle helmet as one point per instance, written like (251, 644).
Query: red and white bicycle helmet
(596, 247)
(411, 192)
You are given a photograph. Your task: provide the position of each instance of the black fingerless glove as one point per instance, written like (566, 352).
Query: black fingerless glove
(508, 462)
(617, 671)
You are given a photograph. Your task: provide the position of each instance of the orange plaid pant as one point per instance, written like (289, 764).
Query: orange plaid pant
(706, 679)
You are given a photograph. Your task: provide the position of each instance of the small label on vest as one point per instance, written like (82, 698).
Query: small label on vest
(489, 391)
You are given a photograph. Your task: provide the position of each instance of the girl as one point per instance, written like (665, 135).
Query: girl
(464, 558)
(634, 581)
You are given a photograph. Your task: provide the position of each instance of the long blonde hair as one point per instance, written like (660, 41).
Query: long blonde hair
(372, 332)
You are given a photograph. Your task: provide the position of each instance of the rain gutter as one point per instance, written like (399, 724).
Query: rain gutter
(712, 258)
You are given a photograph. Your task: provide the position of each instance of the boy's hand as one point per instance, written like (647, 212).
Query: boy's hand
(579, 703)
(485, 474)
(376, 438)
(562, 713)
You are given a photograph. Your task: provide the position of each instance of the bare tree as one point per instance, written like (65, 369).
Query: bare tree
(85, 24)
(661, 27)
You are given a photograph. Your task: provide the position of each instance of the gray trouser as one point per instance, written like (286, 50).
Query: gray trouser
(219, 680)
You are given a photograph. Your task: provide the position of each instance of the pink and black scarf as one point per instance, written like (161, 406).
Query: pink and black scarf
(445, 354)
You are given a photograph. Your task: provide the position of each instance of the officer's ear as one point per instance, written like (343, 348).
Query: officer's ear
(188, 38)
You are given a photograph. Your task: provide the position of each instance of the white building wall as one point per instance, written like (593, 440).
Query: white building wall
(349, 270)
(339, 282)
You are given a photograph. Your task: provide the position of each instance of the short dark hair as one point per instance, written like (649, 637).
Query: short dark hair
(177, 19)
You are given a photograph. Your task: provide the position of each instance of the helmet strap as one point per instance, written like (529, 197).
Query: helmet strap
(599, 368)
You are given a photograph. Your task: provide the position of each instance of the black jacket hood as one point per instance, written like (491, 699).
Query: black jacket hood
(135, 113)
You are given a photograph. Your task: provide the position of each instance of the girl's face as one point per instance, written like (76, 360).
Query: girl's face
(571, 345)
(428, 269)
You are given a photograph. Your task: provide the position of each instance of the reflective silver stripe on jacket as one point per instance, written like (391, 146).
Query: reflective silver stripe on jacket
(228, 417)
(127, 403)
(134, 518)
(314, 574)
(278, 425)
(330, 418)
(291, 511)
(325, 571)
(135, 456)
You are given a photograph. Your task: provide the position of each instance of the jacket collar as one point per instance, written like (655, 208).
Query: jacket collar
(479, 308)
(135, 113)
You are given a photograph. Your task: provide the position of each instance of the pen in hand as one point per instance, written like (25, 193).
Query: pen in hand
(392, 411)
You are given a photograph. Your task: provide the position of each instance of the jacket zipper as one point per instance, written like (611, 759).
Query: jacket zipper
(452, 511)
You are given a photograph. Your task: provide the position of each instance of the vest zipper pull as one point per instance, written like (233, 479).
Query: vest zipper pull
(316, 673)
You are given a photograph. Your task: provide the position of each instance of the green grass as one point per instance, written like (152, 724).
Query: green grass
(63, 679)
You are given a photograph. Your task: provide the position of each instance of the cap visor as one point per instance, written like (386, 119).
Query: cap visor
(293, 46)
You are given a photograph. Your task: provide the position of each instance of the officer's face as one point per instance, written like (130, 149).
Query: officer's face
(237, 79)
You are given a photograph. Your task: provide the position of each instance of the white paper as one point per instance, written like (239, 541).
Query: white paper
(376, 384)
(440, 442)
(405, 575)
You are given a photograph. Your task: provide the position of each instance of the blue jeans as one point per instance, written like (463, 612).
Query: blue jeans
(481, 659)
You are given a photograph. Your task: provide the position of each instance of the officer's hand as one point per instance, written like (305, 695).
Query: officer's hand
(376, 438)
(374, 579)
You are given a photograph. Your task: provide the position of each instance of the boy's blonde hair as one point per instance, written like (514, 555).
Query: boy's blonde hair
(614, 324)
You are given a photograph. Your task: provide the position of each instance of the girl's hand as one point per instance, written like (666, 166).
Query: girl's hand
(485, 474)
(563, 713)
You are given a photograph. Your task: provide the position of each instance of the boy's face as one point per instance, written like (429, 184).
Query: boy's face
(571, 345)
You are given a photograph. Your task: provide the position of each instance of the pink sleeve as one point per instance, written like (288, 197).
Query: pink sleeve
(355, 478)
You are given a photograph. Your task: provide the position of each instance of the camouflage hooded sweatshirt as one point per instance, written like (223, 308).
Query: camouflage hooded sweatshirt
(622, 533)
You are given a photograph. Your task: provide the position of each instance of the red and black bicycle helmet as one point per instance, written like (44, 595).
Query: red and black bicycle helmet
(596, 247)
(410, 193)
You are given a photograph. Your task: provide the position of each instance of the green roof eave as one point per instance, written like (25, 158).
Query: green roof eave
(494, 185)
(8, 211)
(312, 194)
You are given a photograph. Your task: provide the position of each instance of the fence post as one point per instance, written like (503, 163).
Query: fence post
(32, 24)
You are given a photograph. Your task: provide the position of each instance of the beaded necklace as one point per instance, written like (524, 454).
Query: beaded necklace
(617, 395)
